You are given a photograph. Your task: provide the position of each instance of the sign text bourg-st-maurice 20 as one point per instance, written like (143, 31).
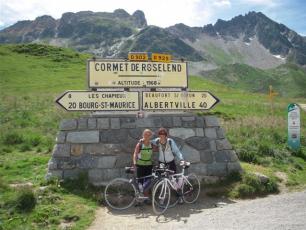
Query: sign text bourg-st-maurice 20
(142, 72)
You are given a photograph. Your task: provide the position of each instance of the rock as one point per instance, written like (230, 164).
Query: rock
(190, 154)
(54, 173)
(198, 168)
(124, 160)
(226, 156)
(200, 143)
(234, 167)
(82, 123)
(61, 137)
(83, 137)
(72, 173)
(177, 122)
(61, 150)
(92, 123)
(213, 146)
(136, 133)
(76, 149)
(191, 118)
(68, 124)
(102, 176)
(211, 121)
(149, 122)
(210, 133)
(181, 132)
(21, 185)
(102, 149)
(220, 132)
(115, 123)
(115, 136)
(85, 161)
(200, 122)
(199, 132)
(262, 177)
(52, 164)
(216, 169)
(106, 162)
(206, 156)
(103, 123)
(223, 144)
(166, 122)
(128, 122)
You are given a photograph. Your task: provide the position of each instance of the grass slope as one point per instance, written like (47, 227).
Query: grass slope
(31, 76)
(289, 80)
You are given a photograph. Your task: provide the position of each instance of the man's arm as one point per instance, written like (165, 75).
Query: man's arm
(176, 150)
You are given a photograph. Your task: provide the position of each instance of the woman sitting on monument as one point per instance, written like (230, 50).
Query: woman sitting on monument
(167, 149)
(142, 160)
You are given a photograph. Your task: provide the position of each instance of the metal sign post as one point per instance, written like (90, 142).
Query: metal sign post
(294, 126)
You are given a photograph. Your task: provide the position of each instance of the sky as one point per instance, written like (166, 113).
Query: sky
(162, 13)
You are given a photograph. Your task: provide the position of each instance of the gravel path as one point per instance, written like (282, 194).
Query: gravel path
(285, 211)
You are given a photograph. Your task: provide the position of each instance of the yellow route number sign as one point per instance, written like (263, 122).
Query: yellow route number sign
(156, 57)
(192, 100)
(138, 57)
(99, 101)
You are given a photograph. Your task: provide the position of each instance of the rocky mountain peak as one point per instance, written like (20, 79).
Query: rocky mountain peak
(140, 19)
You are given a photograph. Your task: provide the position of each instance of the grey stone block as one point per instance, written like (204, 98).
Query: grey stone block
(198, 168)
(128, 122)
(103, 123)
(149, 122)
(83, 137)
(102, 149)
(177, 122)
(61, 150)
(68, 124)
(82, 123)
(206, 156)
(191, 118)
(188, 124)
(124, 160)
(129, 146)
(211, 121)
(212, 145)
(136, 133)
(92, 123)
(106, 162)
(52, 164)
(166, 122)
(61, 137)
(114, 136)
(217, 169)
(210, 133)
(73, 173)
(223, 144)
(234, 167)
(199, 121)
(115, 123)
(98, 176)
(199, 132)
(86, 161)
(200, 143)
(220, 132)
(54, 174)
(190, 154)
(181, 133)
(76, 149)
(222, 156)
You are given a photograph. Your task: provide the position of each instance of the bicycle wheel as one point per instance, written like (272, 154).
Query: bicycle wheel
(120, 194)
(174, 196)
(191, 188)
(161, 197)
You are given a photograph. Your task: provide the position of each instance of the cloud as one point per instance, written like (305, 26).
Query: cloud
(269, 3)
(158, 12)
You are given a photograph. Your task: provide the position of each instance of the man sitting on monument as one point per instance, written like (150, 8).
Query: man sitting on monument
(142, 160)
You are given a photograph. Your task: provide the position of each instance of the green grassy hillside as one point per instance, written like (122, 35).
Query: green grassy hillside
(289, 79)
(32, 76)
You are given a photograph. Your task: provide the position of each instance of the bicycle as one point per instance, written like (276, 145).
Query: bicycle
(122, 193)
(188, 188)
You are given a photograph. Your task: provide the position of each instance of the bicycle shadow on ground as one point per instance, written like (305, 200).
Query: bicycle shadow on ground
(179, 213)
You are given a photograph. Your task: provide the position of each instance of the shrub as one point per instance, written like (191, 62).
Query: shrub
(33, 140)
(25, 147)
(245, 190)
(300, 153)
(12, 138)
(265, 150)
(247, 156)
(25, 200)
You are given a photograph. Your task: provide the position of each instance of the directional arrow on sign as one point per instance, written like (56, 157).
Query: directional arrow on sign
(99, 101)
(192, 100)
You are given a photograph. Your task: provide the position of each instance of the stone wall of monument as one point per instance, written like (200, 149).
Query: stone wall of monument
(101, 146)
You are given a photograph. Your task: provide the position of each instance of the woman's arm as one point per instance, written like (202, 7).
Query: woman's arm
(136, 151)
